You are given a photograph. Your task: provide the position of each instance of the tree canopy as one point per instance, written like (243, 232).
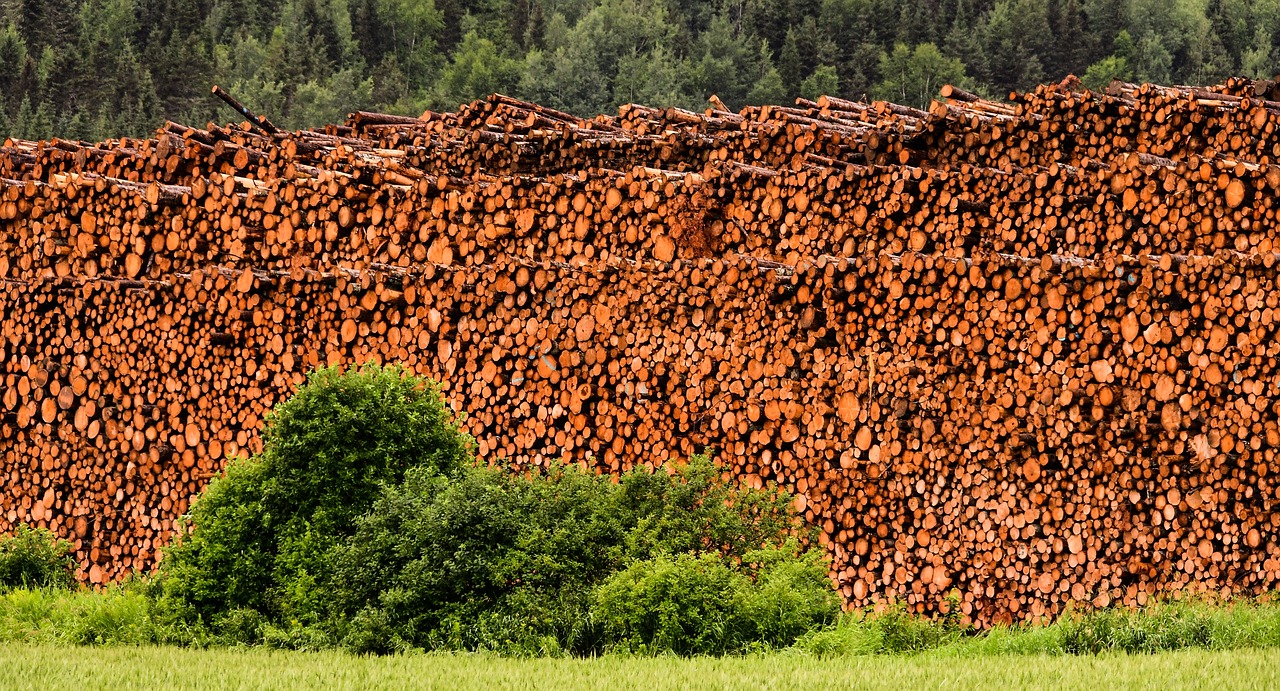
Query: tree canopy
(95, 68)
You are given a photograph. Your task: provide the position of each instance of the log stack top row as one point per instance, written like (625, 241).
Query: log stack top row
(1022, 351)
(1134, 170)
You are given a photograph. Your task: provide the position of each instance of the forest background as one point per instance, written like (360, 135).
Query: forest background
(91, 69)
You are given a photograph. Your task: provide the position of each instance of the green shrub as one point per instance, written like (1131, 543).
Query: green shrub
(365, 523)
(113, 616)
(901, 632)
(1168, 626)
(791, 594)
(693, 509)
(709, 604)
(888, 632)
(485, 560)
(258, 536)
(35, 558)
(490, 559)
(240, 625)
(683, 605)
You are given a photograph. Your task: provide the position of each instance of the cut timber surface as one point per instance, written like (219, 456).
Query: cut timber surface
(1022, 351)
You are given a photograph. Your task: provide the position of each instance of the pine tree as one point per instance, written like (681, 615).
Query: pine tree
(963, 41)
(790, 65)
(13, 60)
(1075, 47)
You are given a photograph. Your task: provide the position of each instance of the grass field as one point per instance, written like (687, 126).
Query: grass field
(80, 668)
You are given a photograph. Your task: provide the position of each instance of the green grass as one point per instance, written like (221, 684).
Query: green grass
(82, 639)
(156, 667)
(77, 617)
(126, 617)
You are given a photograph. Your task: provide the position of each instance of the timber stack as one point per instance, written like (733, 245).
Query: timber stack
(1023, 352)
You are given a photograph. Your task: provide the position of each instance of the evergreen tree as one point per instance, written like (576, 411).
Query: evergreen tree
(1260, 60)
(1104, 20)
(790, 64)
(1012, 62)
(767, 89)
(913, 76)
(963, 42)
(824, 81)
(767, 19)
(1074, 46)
(13, 61)
(653, 77)
(476, 71)
(98, 68)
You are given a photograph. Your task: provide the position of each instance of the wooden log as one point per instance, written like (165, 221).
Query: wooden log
(1019, 349)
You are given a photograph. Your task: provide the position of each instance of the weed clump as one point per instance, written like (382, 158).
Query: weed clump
(35, 558)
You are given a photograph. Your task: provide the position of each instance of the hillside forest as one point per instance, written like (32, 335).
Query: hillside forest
(90, 69)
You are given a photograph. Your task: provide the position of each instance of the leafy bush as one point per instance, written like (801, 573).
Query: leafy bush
(35, 558)
(791, 594)
(259, 535)
(707, 604)
(365, 523)
(491, 559)
(683, 605)
(478, 561)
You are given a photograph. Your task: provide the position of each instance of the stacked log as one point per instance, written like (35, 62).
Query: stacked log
(992, 348)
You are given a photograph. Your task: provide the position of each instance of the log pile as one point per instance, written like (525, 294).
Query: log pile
(1023, 351)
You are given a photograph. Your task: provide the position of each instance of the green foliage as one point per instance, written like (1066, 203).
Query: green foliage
(364, 523)
(912, 76)
(478, 562)
(493, 560)
(13, 58)
(329, 448)
(330, 102)
(407, 30)
(1101, 73)
(476, 70)
(892, 631)
(596, 63)
(823, 81)
(1159, 627)
(1166, 627)
(707, 604)
(125, 616)
(735, 66)
(790, 596)
(78, 617)
(1016, 37)
(262, 530)
(35, 558)
(99, 68)
(683, 605)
